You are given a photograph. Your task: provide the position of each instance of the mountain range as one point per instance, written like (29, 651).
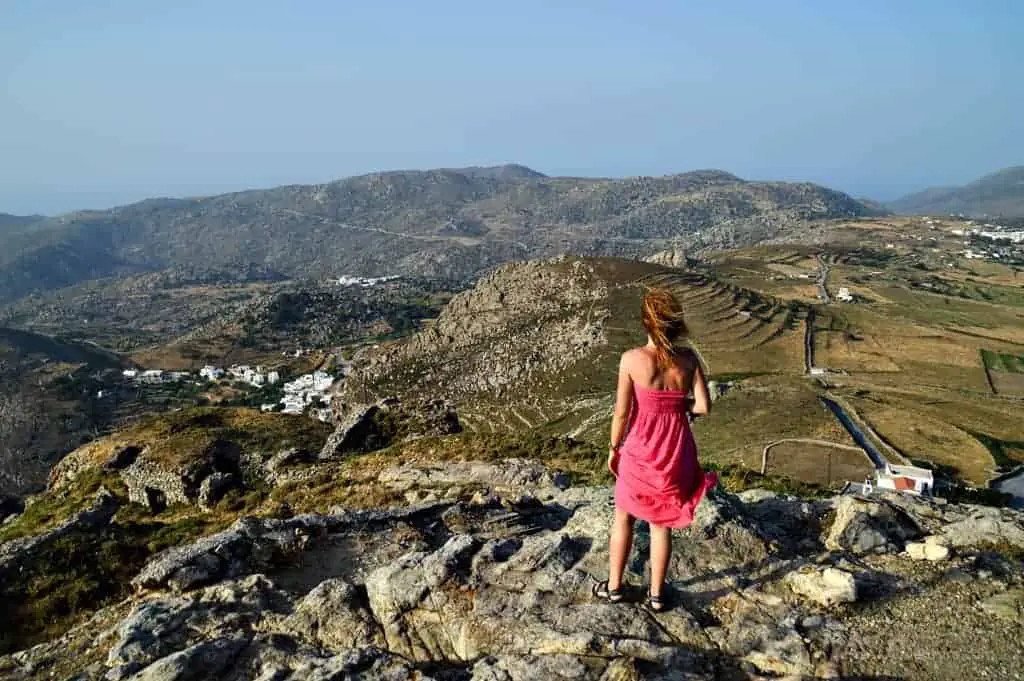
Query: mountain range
(445, 224)
(998, 194)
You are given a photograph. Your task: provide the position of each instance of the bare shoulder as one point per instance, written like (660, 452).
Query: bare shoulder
(634, 359)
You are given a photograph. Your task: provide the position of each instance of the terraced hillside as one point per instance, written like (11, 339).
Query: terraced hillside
(536, 345)
(920, 353)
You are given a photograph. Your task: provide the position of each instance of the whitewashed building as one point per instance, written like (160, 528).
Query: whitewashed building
(909, 479)
(844, 295)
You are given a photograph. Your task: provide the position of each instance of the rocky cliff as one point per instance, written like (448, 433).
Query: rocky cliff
(489, 579)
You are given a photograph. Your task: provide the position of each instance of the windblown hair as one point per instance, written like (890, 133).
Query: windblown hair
(662, 317)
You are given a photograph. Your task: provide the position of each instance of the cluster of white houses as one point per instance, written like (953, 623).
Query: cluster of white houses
(254, 376)
(306, 391)
(155, 375)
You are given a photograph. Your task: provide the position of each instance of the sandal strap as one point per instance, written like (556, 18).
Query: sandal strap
(601, 590)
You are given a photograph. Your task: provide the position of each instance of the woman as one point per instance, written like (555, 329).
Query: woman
(657, 475)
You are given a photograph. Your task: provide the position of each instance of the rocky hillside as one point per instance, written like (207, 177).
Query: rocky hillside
(488, 576)
(443, 224)
(41, 416)
(537, 344)
(999, 194)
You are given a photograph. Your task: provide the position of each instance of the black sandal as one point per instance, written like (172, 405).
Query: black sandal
(602, 591)
(656, 603)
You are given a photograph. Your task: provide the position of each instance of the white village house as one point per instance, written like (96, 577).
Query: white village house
(844, 295)
(894, 478)
(211, 373)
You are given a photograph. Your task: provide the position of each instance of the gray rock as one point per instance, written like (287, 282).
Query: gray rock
(248, 546)
(213, 488)
(862, 526)
(205, 660)
(351, 429)
(334, 617)
(528, 668)
(164, 626)
(986, 525)
(511, 475)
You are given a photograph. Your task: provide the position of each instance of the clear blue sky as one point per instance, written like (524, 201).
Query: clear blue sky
(109, 102)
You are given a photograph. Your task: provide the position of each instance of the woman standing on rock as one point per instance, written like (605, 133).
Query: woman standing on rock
(653, 455)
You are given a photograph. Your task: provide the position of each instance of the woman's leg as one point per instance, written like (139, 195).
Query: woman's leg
(661, 549)
(618, 548)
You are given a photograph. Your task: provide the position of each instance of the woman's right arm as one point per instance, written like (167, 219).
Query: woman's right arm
(699, 390)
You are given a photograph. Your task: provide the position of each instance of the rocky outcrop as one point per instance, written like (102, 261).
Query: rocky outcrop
(827, 587)
(544, 314)
(388, 421)
(500, 589)
(863, 526)
(14, 553)
(508, 476)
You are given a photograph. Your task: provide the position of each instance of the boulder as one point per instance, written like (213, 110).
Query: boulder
(934, 548)
(827, 587)
(363, 427)
(863, 527)
(334, 616)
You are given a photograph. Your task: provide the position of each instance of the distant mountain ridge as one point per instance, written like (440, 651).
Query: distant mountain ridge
(998, 194)
(442, 224)
(8, 221)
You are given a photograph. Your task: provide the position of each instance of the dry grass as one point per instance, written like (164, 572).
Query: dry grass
(1009, 384)
(766, 409)
(921, 435)
(817, 464)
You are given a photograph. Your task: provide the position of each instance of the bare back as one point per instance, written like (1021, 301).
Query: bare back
(643, 368)
(639, 367)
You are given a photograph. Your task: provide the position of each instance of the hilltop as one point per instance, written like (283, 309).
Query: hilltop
(998, 194)
(444, 224)
(475, 569)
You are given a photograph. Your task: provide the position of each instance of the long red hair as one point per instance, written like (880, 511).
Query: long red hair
(662, 317)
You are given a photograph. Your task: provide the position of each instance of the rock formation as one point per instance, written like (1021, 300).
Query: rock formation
(499, 589)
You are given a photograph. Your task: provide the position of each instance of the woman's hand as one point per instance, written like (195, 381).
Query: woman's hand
(613, 461)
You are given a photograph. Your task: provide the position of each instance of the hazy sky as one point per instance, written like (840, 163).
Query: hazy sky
(107, 102)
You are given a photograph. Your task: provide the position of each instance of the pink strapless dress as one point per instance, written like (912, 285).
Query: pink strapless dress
(660, 480)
